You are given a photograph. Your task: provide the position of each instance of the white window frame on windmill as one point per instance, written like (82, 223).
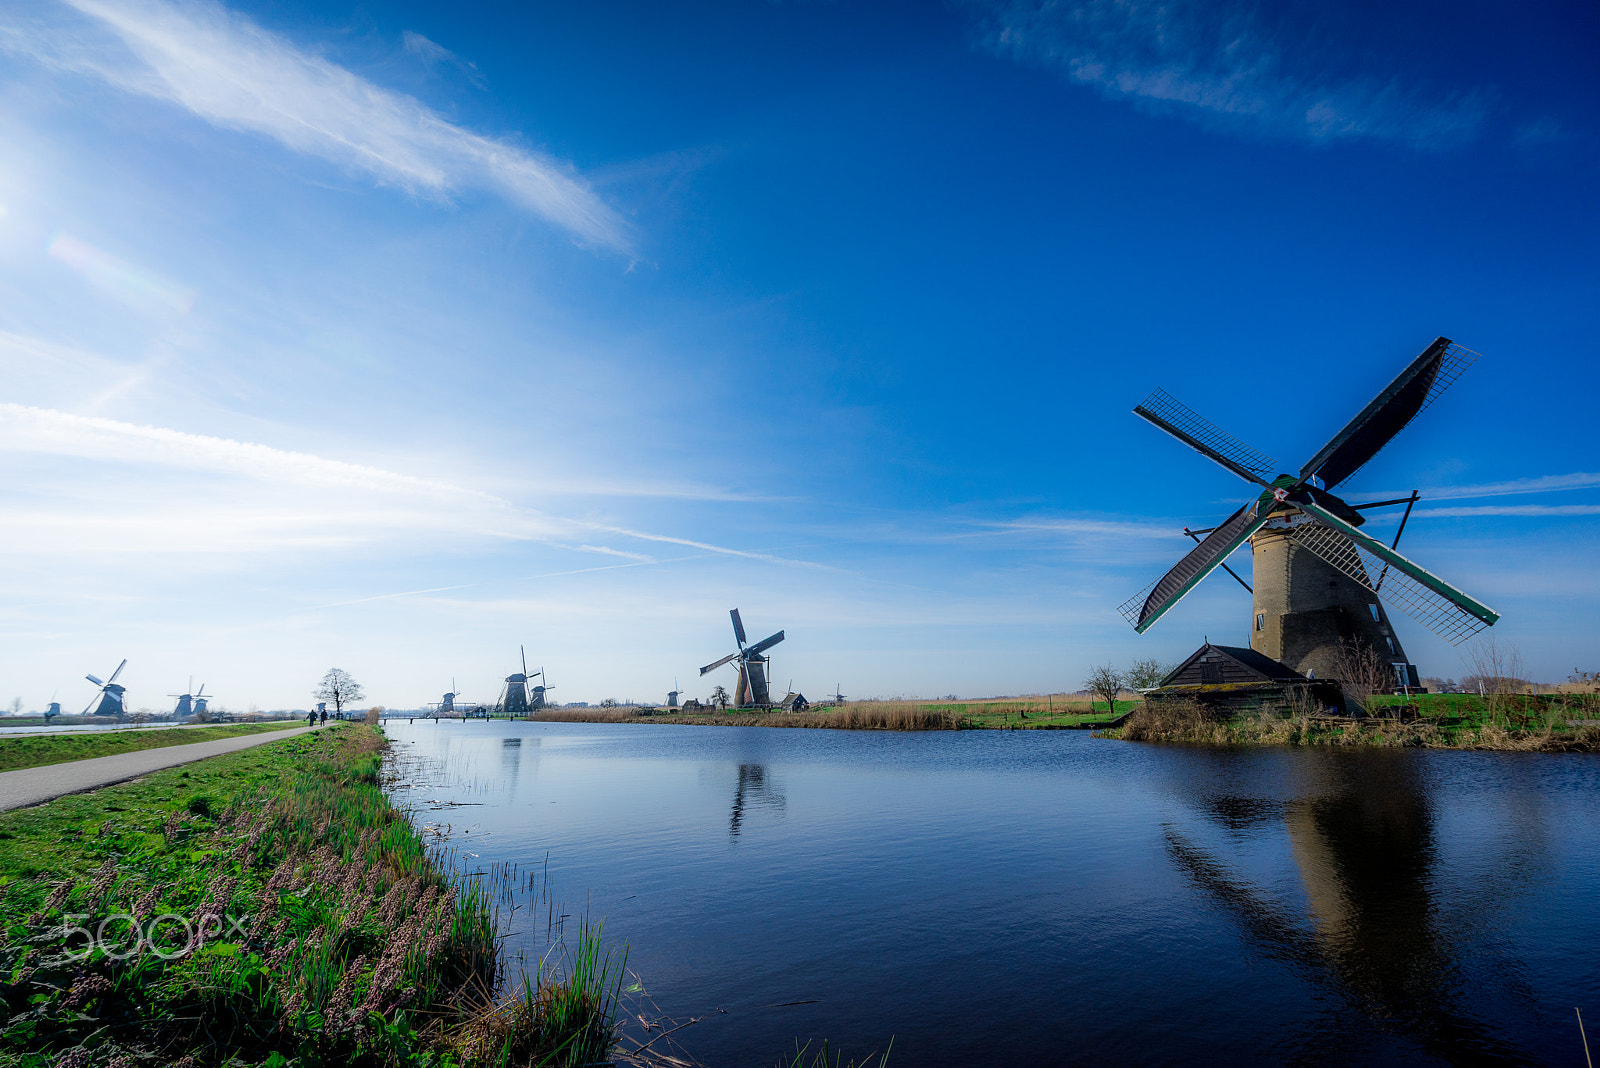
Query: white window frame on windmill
(1372, 607)
(1261, 621)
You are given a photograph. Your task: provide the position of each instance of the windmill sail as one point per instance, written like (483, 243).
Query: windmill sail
(1149, 605)
(1401, 401)
(1423, 596)
(764, 644)
(1194, 431)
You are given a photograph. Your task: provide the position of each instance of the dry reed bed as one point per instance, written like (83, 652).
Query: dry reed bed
(1175, 721)
(861, 715)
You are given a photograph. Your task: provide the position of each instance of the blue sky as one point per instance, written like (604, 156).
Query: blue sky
(393, 336)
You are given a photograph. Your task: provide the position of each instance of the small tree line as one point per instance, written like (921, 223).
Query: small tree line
(1108, 680)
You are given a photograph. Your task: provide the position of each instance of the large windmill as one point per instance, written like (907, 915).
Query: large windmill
(751, 690)
(1317, 575)
(111, 698)
(518, 698)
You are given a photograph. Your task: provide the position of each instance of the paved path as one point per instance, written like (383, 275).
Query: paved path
(33, 786)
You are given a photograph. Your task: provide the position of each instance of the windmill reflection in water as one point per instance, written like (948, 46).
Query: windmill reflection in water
(1361, 833)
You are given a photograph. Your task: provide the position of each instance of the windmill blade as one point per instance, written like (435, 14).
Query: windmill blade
(738, 627)
(1418, 386)
(202, 691)
(719, 663)
(1422, 595)
(764, 644)
(117, 672)
(524, 652)
(1155, 600)
(1194, 431)
(92, 702)
(97, 682)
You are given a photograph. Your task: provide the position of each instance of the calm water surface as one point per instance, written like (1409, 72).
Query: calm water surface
(1040, 898)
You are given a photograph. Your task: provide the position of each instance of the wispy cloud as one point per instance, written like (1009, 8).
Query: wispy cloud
(432, 54)
(1095, 528)
(1510, 509)
(1578, 480)
(140, 289)
(1221, 64)
(199, 55)
(262, 497)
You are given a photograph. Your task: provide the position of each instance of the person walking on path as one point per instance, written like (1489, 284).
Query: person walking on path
(324, 715)
(311, 719)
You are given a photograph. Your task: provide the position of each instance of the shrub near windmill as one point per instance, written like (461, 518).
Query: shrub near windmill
(1317, 575)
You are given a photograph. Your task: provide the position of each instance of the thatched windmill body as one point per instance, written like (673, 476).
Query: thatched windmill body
(112, 698)
(518, 697)
(752, 690)
(1317, 575)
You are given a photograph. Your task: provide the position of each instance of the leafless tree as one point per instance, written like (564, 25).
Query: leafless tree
(339, 687)
(719, 697)
(1146, 674)
(1361, 672)
(1496, 673)
(1106, 681)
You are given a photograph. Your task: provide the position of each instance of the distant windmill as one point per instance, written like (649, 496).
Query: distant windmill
(672, 694)
(53, 709)
(838, 698)
(190, 703)
(447, 703)
(751, 690)
(519, 698)
(109, 701)
(1317, 576)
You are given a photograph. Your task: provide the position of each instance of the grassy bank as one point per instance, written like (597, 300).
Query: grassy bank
(1027, 713)
(1447, 721)
(32, 751)
(268, 908)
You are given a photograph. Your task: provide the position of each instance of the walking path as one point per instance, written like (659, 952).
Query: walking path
(33, 786)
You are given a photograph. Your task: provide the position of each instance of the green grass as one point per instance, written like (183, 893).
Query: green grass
(33, 751)
(351, 946)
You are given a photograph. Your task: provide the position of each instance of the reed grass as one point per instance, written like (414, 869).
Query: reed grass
(352, 945)
(1545, 730)
(804, 1057)
(1006, 713)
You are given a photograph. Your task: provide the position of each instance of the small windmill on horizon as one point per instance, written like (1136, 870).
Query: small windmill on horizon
(518, 698)
(752, 690)
(193, 702)
(112, 698)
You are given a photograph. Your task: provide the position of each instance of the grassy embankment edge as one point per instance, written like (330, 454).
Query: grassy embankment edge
(1026, 713)
(40, 750)
(294, 917)
(1507, 722)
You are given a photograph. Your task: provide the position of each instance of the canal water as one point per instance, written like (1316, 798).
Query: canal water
(1043, 897)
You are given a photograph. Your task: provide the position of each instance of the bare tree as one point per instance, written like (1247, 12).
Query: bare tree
(1496, 673)
(719, 697)
(1361, 672)
(1146, 674)
(1106, 681)
(16, 706)
(339, 687)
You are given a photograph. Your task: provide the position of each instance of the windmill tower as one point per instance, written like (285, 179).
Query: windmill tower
(672, 695)
(447, 703)
(201, 699)
(751, 690)
(1317, 575)
(111, 699)
(518, 698)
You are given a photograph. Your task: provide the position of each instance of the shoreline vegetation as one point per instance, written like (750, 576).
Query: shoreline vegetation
(38, 750)
(269, 907)
(1563, 722)
(1535, 723)
(1006, 713)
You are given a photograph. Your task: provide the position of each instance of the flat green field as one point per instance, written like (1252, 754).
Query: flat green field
(37, 750)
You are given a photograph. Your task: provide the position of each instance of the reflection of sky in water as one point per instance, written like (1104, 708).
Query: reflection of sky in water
(1047, 897)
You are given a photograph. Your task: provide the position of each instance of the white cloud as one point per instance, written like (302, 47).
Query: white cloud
(232, 73)
(1510, 509)
(204, 494)
(1578, 480)
(1220, 65)
(432, 54)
